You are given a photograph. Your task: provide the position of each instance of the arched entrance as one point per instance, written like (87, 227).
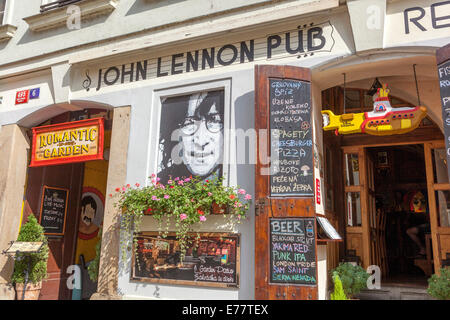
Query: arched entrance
(74, 230)
(387, 188)
(367, 176)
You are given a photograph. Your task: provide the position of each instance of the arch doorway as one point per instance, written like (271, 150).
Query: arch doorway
(387, 194)
(74, 232)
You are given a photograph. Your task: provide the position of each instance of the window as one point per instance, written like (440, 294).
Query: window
(2, 10)
(49, 5)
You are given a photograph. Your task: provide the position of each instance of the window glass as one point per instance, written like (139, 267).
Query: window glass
(352, 99)
(329, 199)
(440, 166)
(353, 209)
(2, 10)
(368, 101)
(351, 170)
(443, 205)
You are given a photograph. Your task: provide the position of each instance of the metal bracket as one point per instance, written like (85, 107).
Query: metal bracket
(260, 206)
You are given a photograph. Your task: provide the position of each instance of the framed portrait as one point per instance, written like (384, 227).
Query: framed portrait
(212, 260)
(191, 131)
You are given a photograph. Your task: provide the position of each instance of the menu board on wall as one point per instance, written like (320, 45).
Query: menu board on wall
(291, 138)
(293, 251)
(53, 210)
(212, 260)
(444, 85)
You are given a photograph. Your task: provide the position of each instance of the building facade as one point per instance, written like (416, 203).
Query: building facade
(133, 62)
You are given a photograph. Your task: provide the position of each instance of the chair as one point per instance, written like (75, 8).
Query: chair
(426, 264)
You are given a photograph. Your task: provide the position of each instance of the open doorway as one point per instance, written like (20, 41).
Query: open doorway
(401, 235)
(68, 199)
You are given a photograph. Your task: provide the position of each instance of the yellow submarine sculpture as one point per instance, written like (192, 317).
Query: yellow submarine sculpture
(383, 120)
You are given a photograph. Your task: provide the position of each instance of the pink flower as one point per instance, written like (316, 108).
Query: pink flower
(153, 181)
(241, 191)
(180, 182)
(176, 179)
(169, 182)
(123, 189)
(247, 197)
(137, 184)
(166, 196)
(183, 216)
(187, 180)
(209, 194)
(202, 218)
(157, 179)
(153, 175)
(155, 198)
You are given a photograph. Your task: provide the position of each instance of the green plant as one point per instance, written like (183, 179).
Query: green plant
(31, 231)
(439, 285)
(338, 293)
(354, 278)
(182, 201)
(95, 264)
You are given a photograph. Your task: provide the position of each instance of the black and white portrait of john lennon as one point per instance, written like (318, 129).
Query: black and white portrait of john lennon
(191, 136)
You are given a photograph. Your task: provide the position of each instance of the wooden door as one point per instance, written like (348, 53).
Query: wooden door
(267, 205)
(438, 189)
(354, 196)
(62, 248)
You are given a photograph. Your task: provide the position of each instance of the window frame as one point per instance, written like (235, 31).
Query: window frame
(155, 122)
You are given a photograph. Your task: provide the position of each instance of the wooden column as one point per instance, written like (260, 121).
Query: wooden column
(14, 145)
(117, 171)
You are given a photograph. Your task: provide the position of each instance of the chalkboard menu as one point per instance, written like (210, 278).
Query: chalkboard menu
(444, 85)
(293, 251)
(211, 260)
(291, 138)
(53, 210)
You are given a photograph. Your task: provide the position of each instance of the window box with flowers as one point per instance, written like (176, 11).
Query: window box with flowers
(185, 202)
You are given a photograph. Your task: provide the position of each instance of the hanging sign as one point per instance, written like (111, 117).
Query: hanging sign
(443, 60)
(68, 142)
(382, 121)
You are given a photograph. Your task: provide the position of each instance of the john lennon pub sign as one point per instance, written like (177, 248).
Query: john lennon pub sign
(305, 40)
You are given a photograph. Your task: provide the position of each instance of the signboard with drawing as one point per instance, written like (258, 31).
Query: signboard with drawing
(211, 260)
(291, 138)
(293, 251)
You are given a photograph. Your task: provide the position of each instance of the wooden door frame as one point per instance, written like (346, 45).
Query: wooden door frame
(277, 206)
(436, 231)
(431, 188)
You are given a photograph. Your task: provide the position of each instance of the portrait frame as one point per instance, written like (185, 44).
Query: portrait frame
(204, 236)
(158, 98)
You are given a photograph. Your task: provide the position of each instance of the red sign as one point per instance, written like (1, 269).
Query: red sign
(68, 142)
(317, 191)
(22, 96)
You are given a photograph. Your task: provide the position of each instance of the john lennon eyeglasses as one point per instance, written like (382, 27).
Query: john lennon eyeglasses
(213, 121)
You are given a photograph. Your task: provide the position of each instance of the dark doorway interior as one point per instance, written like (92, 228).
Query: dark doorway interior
(401, 196)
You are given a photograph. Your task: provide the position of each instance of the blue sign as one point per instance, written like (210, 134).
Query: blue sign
(34, 93)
